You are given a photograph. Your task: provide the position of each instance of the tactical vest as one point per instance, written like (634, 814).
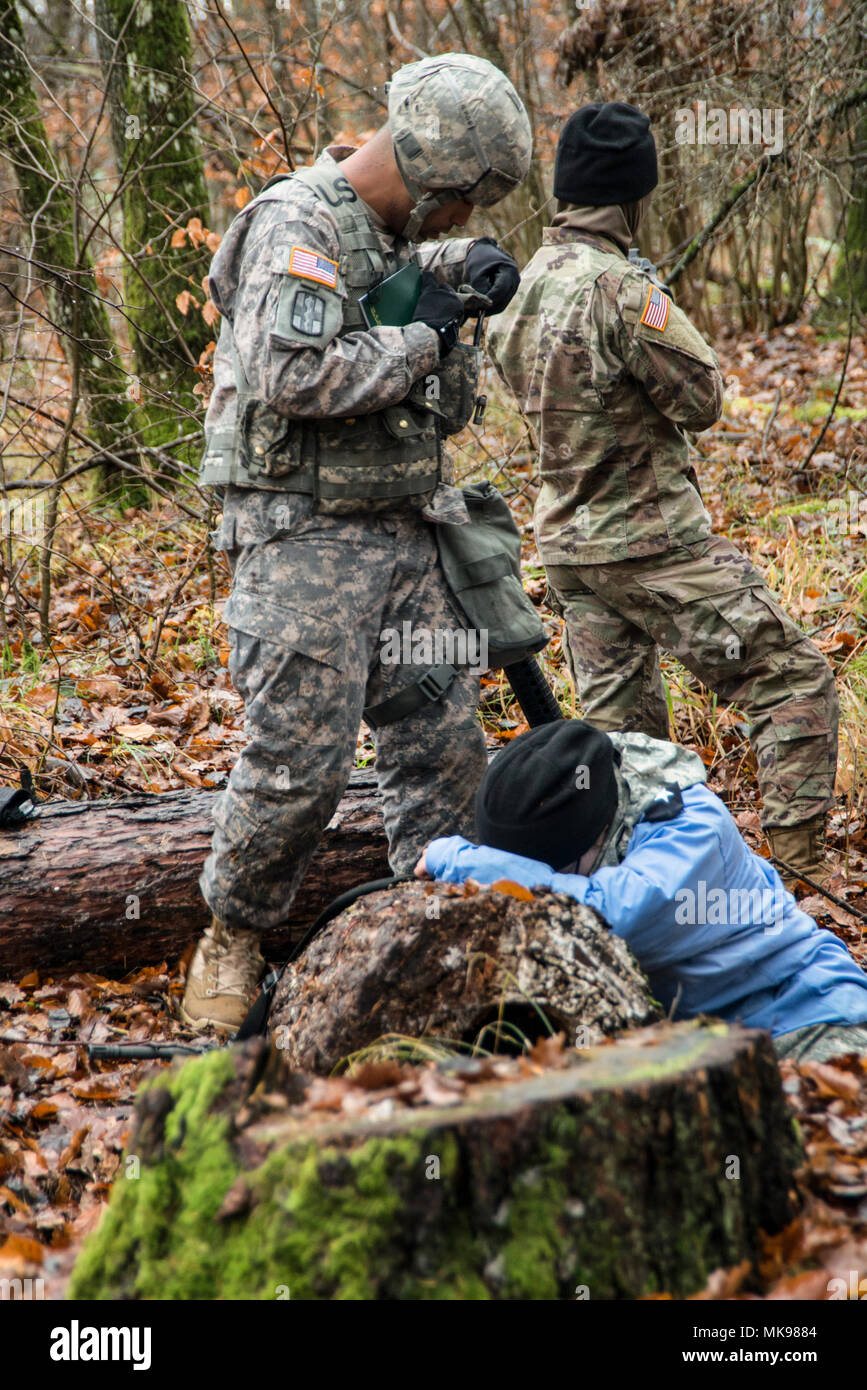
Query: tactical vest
(373, 461)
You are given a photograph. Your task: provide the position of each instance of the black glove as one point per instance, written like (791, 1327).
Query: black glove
(493, 272)
(440, 307)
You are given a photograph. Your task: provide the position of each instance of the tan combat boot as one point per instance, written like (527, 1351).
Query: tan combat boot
(223, 978)
(803, 848)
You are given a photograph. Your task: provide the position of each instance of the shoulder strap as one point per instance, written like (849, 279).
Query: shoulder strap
(363, 262)
(326, 181)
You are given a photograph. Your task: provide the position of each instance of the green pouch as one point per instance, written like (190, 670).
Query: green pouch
(482, 566)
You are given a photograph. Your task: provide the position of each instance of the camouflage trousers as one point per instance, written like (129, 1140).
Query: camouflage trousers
(311, 599)
(706, 604)
(820, 1041)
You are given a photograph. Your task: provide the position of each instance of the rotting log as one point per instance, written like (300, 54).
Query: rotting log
(112, 885)
(636, 1167)
(440, 961)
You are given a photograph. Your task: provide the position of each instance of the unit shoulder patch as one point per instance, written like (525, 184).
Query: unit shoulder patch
(312, 265)
(308, 313)
(656, 309)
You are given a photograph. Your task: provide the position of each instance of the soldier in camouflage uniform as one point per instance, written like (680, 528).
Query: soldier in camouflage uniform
(610, 373)
(334, 477)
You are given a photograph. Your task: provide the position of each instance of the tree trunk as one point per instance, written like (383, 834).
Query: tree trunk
(110, 886)
(47, 206)
(146, 56)
(462, 964)
(637, 1167)
(850, 277)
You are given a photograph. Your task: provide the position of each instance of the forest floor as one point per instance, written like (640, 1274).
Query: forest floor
(132, 693)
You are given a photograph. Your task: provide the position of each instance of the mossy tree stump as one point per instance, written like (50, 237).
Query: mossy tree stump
(638, 1166)
(436, 960)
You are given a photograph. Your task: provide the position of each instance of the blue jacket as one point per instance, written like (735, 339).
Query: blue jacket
(703, 915)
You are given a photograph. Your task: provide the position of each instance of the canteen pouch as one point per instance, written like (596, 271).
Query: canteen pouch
(482, 566)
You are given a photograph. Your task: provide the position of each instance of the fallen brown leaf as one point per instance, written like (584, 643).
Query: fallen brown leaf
(831, 1081)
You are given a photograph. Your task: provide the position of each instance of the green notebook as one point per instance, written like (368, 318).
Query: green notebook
(393, 301)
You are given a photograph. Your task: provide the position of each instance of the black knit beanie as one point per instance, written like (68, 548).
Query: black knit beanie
(605, 154)
(550, 793)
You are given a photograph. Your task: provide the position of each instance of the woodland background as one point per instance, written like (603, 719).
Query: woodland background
(131, 132)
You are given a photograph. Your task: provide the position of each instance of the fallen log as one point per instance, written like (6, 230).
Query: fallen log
(463, 964)
(112, 885)
(636, 1167)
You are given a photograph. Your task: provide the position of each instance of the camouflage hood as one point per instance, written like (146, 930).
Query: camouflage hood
(648, 768)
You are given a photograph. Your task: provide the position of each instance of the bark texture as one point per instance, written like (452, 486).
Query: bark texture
(55, 231)
(109, 886)
(441, 961)
(609, 1177)
(146, 53)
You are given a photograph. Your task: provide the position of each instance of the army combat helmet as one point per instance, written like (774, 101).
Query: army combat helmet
(460, 130)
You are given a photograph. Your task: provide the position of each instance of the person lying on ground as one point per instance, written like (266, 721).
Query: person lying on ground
(625, 823)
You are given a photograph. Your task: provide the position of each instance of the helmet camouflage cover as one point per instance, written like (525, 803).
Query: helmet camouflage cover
(460, 130)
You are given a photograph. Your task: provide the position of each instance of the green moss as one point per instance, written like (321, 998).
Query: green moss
(850, 274)
(583, 1194)
(535, 1243)
(319, 1221)
(157, 145)
(171, 1201)
(45, 201)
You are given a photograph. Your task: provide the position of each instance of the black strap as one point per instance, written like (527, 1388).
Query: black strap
(430, 686)
(17, 804)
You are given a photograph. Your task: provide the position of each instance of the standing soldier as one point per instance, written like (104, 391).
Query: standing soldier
(333, 474)
(610, 373)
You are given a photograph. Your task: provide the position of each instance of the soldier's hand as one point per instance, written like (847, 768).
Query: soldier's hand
(492, 271)
(442, 309)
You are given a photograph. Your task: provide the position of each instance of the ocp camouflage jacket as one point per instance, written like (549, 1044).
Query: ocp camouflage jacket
(609, 372)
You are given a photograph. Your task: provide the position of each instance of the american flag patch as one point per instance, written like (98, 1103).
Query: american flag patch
(312, 266)
(656, 309)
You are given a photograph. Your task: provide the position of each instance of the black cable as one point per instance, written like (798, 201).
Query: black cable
(256, 1022)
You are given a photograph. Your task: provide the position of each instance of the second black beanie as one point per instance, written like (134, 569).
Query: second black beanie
(606, 154)
(550, 793)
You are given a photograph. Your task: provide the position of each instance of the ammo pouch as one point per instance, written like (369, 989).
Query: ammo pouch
(450, 390)
(375, 462)
(270, 445)
(482, 566)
